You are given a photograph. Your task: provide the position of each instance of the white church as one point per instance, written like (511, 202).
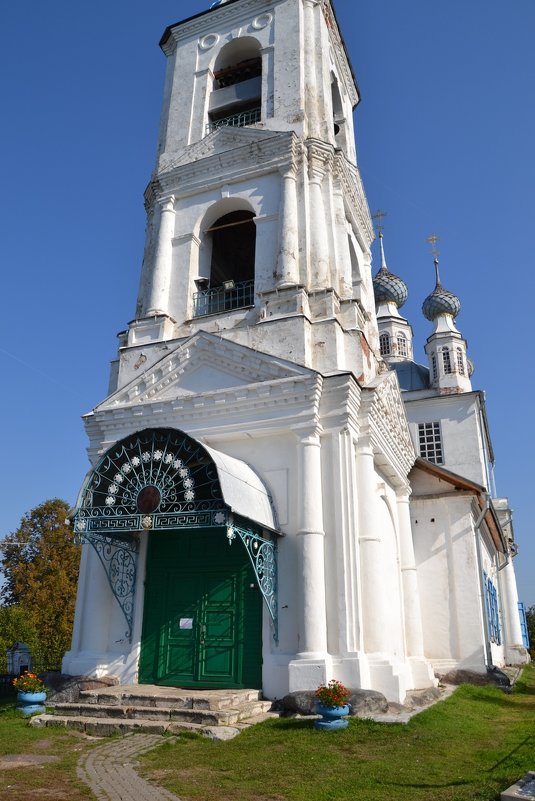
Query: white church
(279, 494)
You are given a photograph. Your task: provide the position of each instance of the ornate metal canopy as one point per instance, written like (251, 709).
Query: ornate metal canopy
(160, 479)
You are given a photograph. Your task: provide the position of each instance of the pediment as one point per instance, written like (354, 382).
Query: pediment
(204, 363)
(219, 141)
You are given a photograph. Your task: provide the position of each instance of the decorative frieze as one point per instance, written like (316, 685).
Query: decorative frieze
(383, 416)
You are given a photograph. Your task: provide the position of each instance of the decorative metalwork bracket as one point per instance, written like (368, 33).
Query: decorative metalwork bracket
(263, 556)
(119, 560)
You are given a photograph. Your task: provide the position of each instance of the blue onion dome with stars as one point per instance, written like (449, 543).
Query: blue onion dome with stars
(440, 301)
(387, 287)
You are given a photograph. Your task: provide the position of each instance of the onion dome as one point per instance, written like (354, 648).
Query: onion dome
(387, 287)
(440, 301)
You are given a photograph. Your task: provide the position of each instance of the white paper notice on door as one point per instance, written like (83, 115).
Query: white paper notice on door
(185, 623)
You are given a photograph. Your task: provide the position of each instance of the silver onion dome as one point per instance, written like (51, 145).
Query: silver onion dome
(440, 301)
(387, 287)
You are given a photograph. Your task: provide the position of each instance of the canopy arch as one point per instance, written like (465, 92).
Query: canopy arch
(161, 479)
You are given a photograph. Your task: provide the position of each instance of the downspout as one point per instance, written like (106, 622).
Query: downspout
(479, 560)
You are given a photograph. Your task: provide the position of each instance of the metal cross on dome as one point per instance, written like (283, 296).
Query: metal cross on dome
(432, 240)
(379, 216)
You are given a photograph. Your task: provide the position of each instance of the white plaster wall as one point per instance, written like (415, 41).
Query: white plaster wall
(461, 432)
(448, 581)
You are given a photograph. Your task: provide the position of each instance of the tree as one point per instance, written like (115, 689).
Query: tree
(40, 562)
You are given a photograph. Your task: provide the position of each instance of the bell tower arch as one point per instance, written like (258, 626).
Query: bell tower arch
(258, 119)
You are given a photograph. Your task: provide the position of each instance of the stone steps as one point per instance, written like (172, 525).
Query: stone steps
(156, 710)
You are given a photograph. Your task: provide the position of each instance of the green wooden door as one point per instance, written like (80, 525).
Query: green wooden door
(202, 614)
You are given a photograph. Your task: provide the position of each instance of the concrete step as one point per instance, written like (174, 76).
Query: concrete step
(156, 710)
(156, 696)
(207, 717)
(108, 727)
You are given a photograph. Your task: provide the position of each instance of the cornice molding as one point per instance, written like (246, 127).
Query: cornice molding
(340, 55)
(278, 406)
(233, 15)
(270, 154)
(349, 176)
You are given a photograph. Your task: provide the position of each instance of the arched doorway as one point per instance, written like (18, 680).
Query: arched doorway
(202, 602)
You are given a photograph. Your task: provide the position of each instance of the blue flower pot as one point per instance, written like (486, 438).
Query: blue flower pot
(332, 717)
(31, 698)
(32, 709)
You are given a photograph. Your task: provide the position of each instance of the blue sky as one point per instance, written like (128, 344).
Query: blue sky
(445, 138)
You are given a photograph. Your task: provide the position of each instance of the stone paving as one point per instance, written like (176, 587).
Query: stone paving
(109, 770)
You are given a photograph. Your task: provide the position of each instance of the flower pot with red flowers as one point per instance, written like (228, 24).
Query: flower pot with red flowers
(332, 705)
(30, 688)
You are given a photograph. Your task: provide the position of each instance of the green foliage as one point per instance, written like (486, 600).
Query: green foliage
(15, 626)
(40, 564)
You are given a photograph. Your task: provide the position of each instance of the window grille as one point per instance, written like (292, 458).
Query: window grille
(446, 361)
(218, 299)
(523, 624)
(237, 120)
(384, 344)
(460, 361)
(402, 345)
(434, 366)
(430, 442)
(493, 615)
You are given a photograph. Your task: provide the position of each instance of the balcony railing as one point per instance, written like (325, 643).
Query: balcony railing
(238, 120)
(218, 299)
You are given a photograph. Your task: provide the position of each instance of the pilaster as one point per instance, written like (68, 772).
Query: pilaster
(319, 242)
(287, 273)
(422, 672)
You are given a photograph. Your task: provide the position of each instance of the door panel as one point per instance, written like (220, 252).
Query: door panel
(202, 615)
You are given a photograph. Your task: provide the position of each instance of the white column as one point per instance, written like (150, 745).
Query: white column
(312, 624)
(374, 594)
(319, 245)
(160, 279)
(513, 633)
(287, 260)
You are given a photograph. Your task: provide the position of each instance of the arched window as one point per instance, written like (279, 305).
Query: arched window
(434, 366)
(460, 361)
(446, 361)
(236, 97)
(339, 121)
(384, 344)
(403, 349)
(231, 240)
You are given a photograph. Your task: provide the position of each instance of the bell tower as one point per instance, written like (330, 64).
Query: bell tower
(258, 227)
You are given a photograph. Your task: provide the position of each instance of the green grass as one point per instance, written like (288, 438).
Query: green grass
(55, 780)
(467, 748)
